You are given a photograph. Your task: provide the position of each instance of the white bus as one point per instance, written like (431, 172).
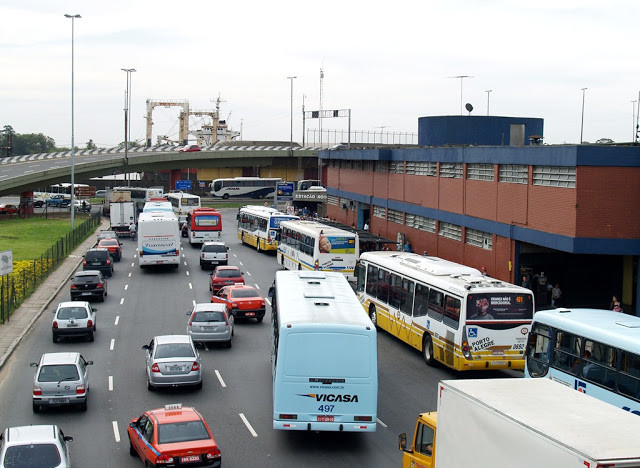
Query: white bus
(258, 226)
(158, 239)
(247, 187)
(154, 192)
(182, 203)
(449, 312)
(323, 355)
(306, 184)
(309, 245)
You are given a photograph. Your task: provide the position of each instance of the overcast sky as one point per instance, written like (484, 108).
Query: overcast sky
(389, 62)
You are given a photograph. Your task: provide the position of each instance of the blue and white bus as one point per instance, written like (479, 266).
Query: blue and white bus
(245, 187)
(594, 351)
(323, 355)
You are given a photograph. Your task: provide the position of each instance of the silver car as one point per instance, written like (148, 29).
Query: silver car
(172, 360)
(210, 323)
(42, 446)
(61, 379)
(213, 253)
(77, 318)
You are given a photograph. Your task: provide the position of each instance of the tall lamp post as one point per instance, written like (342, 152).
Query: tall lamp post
(488, 91)
(73, 147)
(291, 78)
(582, 118)
(127, 122)
(633, 122)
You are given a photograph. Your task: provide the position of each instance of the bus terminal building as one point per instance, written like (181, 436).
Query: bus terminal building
(485, 192)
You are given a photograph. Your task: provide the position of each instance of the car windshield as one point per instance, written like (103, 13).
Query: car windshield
(208, 317)
(58, 373)
(227, 273)
(28, 455)
(67, 313)
(245, 293)
(182, 432)
(214, 248)
(171, 350)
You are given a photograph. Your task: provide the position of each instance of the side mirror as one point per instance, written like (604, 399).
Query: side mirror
(94, 309)
(68, 439)
(402, 441)
(188, 313)
(33, 364)
(146, 347)
(89, 363)
(227, 248)
(53, 311)
(271, 292)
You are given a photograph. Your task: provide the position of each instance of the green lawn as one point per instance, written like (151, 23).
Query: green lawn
(30, 238)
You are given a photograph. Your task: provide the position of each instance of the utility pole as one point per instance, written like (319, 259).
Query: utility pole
(488, 91)
(582, 118)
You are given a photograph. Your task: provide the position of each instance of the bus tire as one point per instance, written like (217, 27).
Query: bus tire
(225, 196)
(427, 350)
(373, 315)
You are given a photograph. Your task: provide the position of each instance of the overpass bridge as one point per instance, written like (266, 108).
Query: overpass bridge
(29, 172)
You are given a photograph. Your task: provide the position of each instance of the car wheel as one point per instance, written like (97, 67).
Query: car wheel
(36, 408)
(228, 344)
(55, 338)
(150, 387)
(102, 297)
(83, 405)
(148, 465)
(132, 450)
(259, 319)
(427, 350)
(91, 337)
(199, 385)
(258, 246)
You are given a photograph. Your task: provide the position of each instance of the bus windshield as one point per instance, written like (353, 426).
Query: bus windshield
(499, 306)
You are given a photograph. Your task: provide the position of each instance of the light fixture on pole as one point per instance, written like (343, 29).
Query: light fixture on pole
(73, 148)
(127, 122)
(488, 91)
(582, 118)
(461, 77)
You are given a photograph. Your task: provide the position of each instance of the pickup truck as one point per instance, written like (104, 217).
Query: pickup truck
(59, 200)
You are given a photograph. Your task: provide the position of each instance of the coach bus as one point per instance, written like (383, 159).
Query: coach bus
(310, 245)
(158, 239)
(245, 187)
(591, 350)
(258, 226)
(182, 203)
(449, 312)
(323, 355)
(203, 224)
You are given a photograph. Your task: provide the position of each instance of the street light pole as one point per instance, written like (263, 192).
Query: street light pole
(73, 148)
(582, 118)
(127, 122)
(291, 78)
(488, 91)
(633, 122)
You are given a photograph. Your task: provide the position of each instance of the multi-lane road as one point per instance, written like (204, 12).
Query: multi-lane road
(236, 398)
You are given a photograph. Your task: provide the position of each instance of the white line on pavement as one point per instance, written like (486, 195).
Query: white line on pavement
(248, 273)
(122, 301)
(194, 303)
(267, 301)
(381, 423)
(126, 286)
(116, 432)
(257, 287)
(111, 383)
(224, 385)
(190, 286)
(113, 343)
(246, 423)
(185, 263)
(117, 320)
(132, 264)
(129, 275)
(187, 273)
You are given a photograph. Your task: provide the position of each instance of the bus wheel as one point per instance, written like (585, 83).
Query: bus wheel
(373, 315)
(427, 350)
(225, 196)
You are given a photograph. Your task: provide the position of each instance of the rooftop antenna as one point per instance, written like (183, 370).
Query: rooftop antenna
(461, 77)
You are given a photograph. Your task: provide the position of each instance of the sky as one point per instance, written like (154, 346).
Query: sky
(388, 62)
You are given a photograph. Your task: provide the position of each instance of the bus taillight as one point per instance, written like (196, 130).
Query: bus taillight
(363, 418)
(288, 416)
(316, 265)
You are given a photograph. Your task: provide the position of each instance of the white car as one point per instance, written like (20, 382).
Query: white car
(82, 205)
(74, 318)
(172, 361)
(43, 446)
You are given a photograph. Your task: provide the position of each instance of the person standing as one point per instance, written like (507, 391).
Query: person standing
(407, 247)
(525, 282)
(556, 296)
(615, 304)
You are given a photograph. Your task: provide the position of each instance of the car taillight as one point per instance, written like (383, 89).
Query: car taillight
(99, 285)
(37, 391)
(84, 262)
(155, 368)
(164, 459)
(215, 453)
(89, 323)
(55, 324)
(195, 366)
(234, 305)
(73, 286)
(108, 261)
(202, 256)
(80, 390)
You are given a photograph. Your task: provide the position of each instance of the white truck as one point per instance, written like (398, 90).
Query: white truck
(158, 239)
(523, 423)
(122, 214)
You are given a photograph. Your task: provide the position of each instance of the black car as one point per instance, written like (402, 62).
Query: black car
(98, 259)
(88, 284)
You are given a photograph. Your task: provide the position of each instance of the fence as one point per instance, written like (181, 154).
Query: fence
(333, 137)
(28, 274)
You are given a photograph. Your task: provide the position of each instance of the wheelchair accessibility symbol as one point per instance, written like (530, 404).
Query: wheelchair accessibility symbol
(473, 333)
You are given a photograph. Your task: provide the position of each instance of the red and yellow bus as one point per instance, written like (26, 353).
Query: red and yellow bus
(203, 224)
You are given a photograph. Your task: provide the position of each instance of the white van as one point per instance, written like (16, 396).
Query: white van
(158, 239)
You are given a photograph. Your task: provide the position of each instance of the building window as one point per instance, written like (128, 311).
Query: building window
(481, 239)
(480, 171)
(451, 170)
(382, 166)
(514, 173)
(332, 200)
(396, 167)
(420, 222)
(395, 216)
(554, 176)
(379, 212)
(367, 166)
(427, 168)
(345, 164)
(357, 165)
(347, 204)
(450, 231)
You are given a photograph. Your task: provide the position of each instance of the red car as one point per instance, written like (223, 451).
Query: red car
(224, 276)
(173, 436)
(8, 209)
(113, 246)
(243, 301)
(189, 149)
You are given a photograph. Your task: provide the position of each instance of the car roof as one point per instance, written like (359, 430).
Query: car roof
(233, 287)
(59, 358)
(37, 433)
(172, 339)
(212, 243)
(185, 413)
(74, 304)
(210, 307)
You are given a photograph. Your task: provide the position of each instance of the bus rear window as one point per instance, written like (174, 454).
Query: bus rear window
(499, 306)
(207, 220)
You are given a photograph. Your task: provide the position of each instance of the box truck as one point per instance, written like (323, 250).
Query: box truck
(122, 214)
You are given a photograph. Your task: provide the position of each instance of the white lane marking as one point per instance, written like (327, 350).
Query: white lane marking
(194, 303)
(381, 423)
(112, 345)
(129, 274)
(248, 273)
(257, 287)
(111, 383)
(267, 301)
(187, 273)
(185, 263)
(190, 286)
(117, 320)
(122, 301)
(132, 264)
(126, 286)
(116, 432)
(246, 423)
(134, 256)
(224, 385)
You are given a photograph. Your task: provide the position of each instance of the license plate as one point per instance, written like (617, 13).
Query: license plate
(96, 263)
(86, 294)
(229, 282)
(71, 325)
(190, 459)
(325, 418)
(250, 314)
(59, 401)
(498, 363)
(175, 368)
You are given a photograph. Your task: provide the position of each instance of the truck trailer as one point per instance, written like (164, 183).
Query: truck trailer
(121, 215)
(524, 423)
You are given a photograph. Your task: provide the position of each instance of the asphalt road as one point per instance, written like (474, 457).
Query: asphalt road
(236, 396)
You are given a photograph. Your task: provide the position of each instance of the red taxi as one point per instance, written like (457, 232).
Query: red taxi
(243, 301)
(224, 276)
(173, 436)
(113, 246)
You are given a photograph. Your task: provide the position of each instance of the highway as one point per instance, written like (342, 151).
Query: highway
(236, 395)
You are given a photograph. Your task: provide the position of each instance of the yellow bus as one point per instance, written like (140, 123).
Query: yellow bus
(258, 226)
(447, 311)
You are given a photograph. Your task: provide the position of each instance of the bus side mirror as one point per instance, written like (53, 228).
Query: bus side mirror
(271, 291)
(402, 442)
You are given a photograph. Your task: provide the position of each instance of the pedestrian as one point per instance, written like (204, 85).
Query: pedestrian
(556, 296)
(366, 225)
(425, 254)
(615, 304)
(525, 282)
(483, 271)
(407, 246)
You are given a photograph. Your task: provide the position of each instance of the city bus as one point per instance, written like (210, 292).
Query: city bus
(203, 224)
(306, 184)
(247, 187)
(447, 311)
(258, 226)
(158, 239)
(324, 360)
(310, 245)
(594, 351)
(182, 202)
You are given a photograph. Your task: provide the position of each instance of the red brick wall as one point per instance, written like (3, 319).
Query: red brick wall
(480, 199)
(421, 190)
(512, 203)
(552, 209)
(450, 195)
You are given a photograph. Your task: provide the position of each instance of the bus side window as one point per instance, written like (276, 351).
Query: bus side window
(566, 355)
(435, 304)
(421, 301)
(629, 376)
(372, 281)
(406, 299)
(452, 312)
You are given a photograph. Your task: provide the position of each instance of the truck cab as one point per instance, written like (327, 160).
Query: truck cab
(421, 453)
